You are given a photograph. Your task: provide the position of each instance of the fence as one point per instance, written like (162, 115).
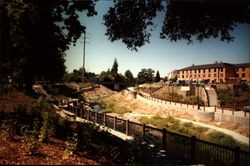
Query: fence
(188, 150)
(192, 105)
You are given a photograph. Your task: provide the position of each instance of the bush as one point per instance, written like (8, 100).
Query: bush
(48, 127)
(7, 130)
(31, 142)
(222, 139)
(71, 144)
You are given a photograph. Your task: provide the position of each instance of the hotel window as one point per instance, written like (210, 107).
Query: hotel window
(198, 75)
(243, 74)
(214, 75)
(208, 75)
(243, 69)
(209, 70)
(199, 71)
(195, 76)
(221, 75)
(186, 76)
(182, 76)
(203, 70)
(194, 71)
(237, 69)
(204, 75)
(221, 69)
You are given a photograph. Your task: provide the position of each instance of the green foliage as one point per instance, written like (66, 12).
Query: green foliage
(7, 130)
(42, 103)
(48, 127)
(184, 20)
(25, 34)
(145, 75)
(114, 69)
(31, 142)
(129, 76)
(222, 139)
(71, 145)
(157, 77)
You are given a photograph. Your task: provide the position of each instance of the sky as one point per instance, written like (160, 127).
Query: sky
(159, 54)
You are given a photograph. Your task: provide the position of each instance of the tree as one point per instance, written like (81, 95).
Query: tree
(145, 75)
(38, 34)
(131, 21)
(129, 76)
(157, 77)
(114, 69)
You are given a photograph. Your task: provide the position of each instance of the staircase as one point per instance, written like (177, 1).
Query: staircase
(212, 96)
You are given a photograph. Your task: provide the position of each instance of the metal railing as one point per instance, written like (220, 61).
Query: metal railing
(188, 150)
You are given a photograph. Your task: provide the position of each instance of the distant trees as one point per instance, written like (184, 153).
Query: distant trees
(114, 69)
(129, 76)
(157, 77)
(145, 76)
(77, 75)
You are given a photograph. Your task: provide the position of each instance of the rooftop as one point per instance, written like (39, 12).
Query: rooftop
(214, 65)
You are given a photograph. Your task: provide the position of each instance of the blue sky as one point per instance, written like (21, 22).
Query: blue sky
(159, 54)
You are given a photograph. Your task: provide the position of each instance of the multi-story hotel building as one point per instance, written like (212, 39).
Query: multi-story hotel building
(216, 72)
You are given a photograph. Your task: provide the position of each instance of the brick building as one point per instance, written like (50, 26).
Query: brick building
(215, 73)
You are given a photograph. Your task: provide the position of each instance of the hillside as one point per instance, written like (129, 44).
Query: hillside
(13, 147)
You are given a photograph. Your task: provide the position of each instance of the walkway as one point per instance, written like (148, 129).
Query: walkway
(73, 117)
(188, 107)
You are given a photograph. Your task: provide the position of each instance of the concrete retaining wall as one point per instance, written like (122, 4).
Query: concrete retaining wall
(204, 116)
(232, 118)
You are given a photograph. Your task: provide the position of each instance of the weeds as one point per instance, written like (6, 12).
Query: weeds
(71, 145)
(48, 127)
(31, 141)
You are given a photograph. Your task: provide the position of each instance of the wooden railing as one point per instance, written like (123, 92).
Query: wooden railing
(188, 150)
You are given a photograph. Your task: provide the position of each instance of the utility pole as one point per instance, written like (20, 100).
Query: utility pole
(83, 68)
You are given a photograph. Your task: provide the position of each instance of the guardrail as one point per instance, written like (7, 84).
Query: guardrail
(188, 150)
(192, 105)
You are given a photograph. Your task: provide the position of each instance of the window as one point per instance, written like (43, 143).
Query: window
(198, 75)
(191, 76)
(199, 71)
(195, 76)
(204, 75)
(221, 75)
(221, 69)
(186, 76)
(243, 74)
(203, 70)
(194, 71)
(209, 70)
(237, 69)
(182, 76)
(243, 69)
(209, 75)
(215, 75)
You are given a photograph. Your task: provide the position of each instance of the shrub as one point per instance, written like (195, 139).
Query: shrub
(7, 130)
(222, 139)
(48, 127)
(31, 141)
(71, 144)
